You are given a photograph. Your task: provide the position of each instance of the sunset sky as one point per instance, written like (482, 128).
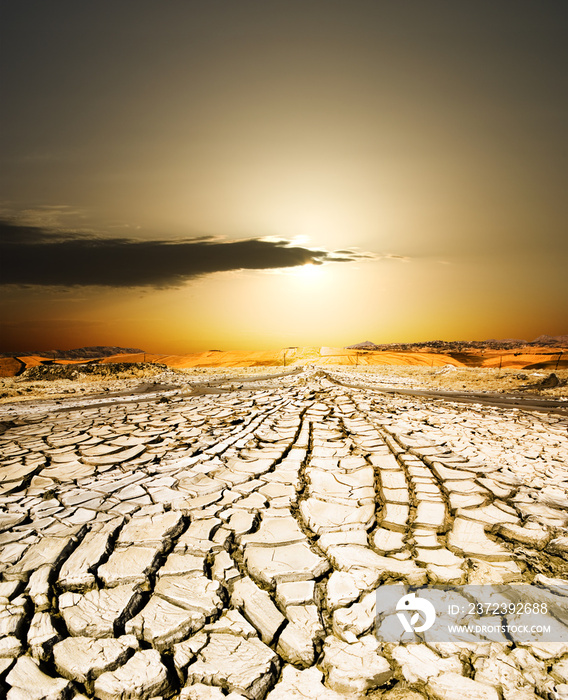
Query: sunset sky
(179, 175)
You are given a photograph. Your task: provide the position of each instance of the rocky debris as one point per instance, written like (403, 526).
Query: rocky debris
(549, 382)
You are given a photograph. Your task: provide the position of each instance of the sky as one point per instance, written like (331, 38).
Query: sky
(181, 176)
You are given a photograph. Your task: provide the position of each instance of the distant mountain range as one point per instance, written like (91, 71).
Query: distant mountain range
(542, 340)
(79, 353)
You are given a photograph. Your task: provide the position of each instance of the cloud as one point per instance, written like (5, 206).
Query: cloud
(33, 255)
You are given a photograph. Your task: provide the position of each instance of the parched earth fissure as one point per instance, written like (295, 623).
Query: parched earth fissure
(231, 545)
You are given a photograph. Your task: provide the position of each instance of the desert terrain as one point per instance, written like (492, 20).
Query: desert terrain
(219, 531)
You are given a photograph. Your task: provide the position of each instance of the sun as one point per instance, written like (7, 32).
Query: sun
(309, 271)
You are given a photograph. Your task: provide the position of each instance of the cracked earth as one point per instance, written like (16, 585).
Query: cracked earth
(229, 544)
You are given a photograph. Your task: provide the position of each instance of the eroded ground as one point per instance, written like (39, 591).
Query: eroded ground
(213, 543)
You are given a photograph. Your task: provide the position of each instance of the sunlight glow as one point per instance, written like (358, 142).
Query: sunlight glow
(310, 271)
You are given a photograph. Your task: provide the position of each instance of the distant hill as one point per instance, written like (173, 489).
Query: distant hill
(560, 340)
(78, 353)
(365, 345)
(453, 345)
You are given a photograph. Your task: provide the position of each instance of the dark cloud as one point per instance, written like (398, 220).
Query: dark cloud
(31, 255)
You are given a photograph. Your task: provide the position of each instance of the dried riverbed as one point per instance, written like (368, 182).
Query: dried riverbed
(211, 537)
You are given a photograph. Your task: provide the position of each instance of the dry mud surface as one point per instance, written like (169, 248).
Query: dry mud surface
(226, 540)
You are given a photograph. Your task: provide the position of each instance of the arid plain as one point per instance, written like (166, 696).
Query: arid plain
(217, 526)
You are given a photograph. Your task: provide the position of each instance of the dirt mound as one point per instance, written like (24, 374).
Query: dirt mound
(551, 381)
